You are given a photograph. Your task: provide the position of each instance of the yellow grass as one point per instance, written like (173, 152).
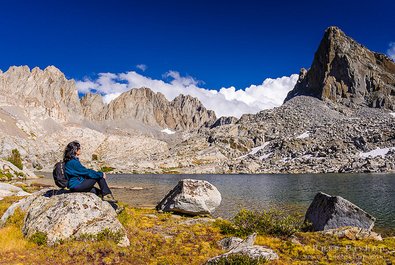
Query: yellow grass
(161, 238)
(11, 239)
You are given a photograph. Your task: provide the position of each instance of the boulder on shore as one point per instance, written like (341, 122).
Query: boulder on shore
(63, 216)
(353, 233)
(192, 197)
(237, 246)
(331, 212)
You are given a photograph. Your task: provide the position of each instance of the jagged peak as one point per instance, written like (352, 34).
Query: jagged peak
(21, 68)
(334, 30)
(182, 97)
(346, 72)
(146, 91)
(339, 40)
(51, 70)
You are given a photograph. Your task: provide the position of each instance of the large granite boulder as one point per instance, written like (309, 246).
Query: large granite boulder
(237, 246)
(331, 212)
(63, 215)
(192, 197)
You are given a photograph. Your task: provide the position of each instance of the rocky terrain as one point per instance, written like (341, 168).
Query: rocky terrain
(338, 118)
(309, 135)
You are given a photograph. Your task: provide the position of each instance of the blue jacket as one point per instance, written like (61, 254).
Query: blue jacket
(76, 173)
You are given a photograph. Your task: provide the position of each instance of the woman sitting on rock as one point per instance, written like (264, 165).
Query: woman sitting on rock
(82, 179)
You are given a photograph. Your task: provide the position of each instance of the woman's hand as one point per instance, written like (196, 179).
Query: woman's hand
(104, 175)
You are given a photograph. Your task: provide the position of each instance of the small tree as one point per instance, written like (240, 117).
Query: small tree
(15, 158)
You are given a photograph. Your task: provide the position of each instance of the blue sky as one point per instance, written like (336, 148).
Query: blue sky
(222, 44)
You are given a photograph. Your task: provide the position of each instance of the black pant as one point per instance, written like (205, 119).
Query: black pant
(88, 186)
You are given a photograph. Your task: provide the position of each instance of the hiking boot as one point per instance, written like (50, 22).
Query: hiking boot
(119, 209)
(109, 198)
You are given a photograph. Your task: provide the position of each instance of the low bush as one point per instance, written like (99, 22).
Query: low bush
(271, 222)
(39, 238)
(95, 157)
(104, 235)
(106, 169)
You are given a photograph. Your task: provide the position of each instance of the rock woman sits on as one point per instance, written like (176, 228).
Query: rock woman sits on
(82, 179)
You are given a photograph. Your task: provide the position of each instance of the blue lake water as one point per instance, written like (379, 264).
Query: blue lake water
(375, 193)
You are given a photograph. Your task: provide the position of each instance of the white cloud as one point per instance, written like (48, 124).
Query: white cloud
(85, 86)
(142, 67)
(225, 102)
(391, 51)
(109, 97)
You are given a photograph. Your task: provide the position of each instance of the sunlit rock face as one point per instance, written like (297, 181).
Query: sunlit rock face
(346, 72)
(150, 108)
(42, 93)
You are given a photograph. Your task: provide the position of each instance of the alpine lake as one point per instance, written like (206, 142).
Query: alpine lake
(374, 193)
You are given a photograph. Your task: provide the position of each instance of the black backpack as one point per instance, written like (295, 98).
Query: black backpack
(58, 175)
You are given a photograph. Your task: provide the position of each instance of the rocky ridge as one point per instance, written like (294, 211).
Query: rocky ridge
(40, 93)
(148, 107)
(40, 112)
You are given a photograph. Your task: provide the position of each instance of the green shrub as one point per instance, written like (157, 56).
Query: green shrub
(15, 158)
(239, 259)
(106, 169)
(104, 235)
(272, 222)
(40, 238)
(107, 234)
